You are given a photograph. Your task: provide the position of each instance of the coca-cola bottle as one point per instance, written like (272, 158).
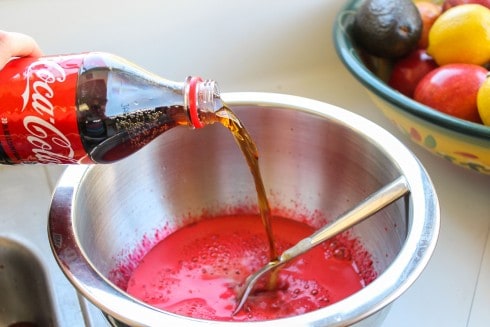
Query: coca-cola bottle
(92, 108)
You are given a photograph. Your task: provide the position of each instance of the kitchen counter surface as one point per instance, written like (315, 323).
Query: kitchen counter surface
(254, 45)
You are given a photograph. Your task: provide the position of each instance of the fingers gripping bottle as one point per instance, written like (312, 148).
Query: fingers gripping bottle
(92, 108)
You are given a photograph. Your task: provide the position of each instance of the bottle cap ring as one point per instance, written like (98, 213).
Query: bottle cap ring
(193, 94)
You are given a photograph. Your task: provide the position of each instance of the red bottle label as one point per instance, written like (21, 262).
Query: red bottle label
(38, 118)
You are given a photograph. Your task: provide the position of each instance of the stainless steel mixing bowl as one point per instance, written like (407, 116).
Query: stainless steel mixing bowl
(315, 158)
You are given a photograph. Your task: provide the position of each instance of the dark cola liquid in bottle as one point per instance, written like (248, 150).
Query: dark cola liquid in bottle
(92, 108)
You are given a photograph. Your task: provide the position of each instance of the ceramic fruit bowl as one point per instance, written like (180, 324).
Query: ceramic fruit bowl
(461, 142)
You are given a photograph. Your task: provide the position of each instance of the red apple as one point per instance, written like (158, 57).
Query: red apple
(452, 89)
(409, 70)
(452, 3)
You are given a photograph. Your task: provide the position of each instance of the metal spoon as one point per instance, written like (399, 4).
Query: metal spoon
(369, 206)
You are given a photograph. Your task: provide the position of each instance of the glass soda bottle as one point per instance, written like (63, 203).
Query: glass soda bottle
(92, 108)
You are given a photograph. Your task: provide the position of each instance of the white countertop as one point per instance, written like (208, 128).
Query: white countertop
(270, 46)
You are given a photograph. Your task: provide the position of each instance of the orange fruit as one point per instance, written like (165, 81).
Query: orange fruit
(429, 12)
(461, 34)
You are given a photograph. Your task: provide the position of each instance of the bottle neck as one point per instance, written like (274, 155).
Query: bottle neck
(201, 97)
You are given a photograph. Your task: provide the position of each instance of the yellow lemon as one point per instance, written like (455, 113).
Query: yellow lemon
(483, 101)
(461, 34)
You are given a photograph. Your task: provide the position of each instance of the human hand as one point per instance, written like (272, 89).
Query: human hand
(14, 44)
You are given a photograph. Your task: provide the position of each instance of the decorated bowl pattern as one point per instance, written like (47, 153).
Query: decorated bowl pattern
(463, 143)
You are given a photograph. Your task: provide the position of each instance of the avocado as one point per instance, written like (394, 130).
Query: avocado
(387, 28)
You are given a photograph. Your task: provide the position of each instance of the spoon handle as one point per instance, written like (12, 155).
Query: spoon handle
(369, 206)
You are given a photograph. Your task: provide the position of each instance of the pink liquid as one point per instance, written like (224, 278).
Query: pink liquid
(196, 271)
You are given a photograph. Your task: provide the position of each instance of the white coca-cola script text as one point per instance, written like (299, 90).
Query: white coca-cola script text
(49, 144)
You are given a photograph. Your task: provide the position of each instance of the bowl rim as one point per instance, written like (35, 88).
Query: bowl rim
(414, 255)
(345, 49)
